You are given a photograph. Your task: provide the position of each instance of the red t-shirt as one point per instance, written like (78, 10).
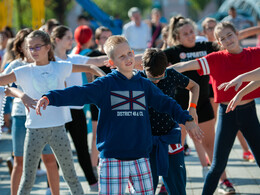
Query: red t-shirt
(223, 66)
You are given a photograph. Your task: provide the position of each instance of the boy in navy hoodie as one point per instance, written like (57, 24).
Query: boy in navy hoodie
(124, 136)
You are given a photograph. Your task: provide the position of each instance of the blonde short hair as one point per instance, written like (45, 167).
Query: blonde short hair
(112, 42)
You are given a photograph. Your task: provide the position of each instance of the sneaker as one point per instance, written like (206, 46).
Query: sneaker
(10, 162)
(163, 190)
(93, 187)
(205, 171)
(226, 187)
(40, 172)
(248, 156)
(48, 191)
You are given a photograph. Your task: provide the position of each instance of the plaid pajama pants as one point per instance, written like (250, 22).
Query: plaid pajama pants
(115, 175)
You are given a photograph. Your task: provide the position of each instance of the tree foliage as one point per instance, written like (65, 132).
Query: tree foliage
(116, 7)
(199, 5)
(53, 9)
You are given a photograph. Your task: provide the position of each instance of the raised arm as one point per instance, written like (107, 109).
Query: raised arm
(242, 34)
(237, 82)
(238, 97)
(186, 66)
(88, 68)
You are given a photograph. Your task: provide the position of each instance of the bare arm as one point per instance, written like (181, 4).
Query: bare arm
(238, 97)
(97, 61)
(194, 90)
(186, 66)
(242, 34)
(8, 78)
(27, 101)
(237, 82)
(88, 68)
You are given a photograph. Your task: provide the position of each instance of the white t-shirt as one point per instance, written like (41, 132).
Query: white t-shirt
(18, 109)
(76, 77)
(138, 37)
(38, 80)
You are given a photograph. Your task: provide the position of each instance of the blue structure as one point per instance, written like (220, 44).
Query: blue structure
(252, 7)
(101, 16)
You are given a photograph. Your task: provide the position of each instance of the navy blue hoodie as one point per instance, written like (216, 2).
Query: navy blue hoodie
(124, 130)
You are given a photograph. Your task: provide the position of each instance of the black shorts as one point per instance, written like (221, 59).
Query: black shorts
(94, 112)
(211, 93)
(204, 108)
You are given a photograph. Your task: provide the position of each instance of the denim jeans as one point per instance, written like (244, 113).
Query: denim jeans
(243, 118)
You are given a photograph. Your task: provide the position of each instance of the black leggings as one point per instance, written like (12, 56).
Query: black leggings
(78, 131)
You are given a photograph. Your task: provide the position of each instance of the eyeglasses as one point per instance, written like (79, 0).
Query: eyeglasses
(37, 48)
(158, 78)
(210, 28)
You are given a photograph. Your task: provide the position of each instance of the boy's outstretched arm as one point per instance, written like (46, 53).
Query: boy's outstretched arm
(238, 97)
(88, 68)
(186, 66)
(237, 82)
(43, 102)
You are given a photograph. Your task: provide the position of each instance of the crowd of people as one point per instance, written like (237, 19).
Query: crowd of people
(140, 93)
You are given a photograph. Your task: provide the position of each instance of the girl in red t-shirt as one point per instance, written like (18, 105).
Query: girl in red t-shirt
(223, 66)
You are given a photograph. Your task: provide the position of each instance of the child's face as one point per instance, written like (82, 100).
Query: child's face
(187, 35)
(123, 58)
(103, 37)
(66, 40)
(209, 30)
(38, 49)
(228, 40)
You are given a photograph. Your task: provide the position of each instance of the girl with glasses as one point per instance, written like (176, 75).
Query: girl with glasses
(36, 79)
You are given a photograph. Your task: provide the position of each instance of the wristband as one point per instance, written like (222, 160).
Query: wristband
(45, 97)
(193, 105)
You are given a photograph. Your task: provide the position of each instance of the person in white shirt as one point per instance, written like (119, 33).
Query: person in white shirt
(137, 32)
(36, 79)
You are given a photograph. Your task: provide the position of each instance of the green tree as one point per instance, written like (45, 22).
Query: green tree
(199, 5)
(116, 7)
(53, 9)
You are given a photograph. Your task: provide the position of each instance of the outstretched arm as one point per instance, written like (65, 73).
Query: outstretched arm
(88, 68)
(237, 82)
(8, 78)
(97, 61)
(242, 34)
(186, 66)
(238, 97)
(27, 101)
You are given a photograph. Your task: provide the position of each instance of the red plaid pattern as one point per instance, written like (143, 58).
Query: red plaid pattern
(115, 175)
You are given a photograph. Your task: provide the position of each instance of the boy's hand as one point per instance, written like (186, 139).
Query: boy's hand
(194, 131)
(43, 102)
(193, 113)
(28, 102)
